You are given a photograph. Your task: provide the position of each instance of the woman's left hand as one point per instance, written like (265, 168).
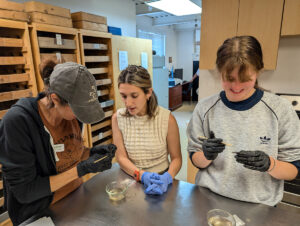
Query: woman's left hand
(163, 181)
(255, 160)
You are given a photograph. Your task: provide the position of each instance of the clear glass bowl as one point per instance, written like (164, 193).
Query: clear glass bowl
(116, 190)
(218, 217)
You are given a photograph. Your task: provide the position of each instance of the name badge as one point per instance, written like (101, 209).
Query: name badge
(58, 148)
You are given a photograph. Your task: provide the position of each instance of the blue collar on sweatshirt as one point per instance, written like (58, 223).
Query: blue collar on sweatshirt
(244, 104)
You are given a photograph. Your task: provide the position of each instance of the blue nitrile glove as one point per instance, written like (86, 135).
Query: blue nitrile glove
(164, 181)
(153, 189)
(147, 178)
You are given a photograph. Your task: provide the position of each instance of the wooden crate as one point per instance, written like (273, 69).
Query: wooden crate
(87, 21)
(44, 18)
(13, 11)
(82, 16)
(9, 5)
(14, 15)
(17, 76)
(48, 14)
(34, 6)
(95, 49)
(90, 26)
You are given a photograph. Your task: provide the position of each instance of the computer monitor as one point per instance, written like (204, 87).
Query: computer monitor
(178, 73)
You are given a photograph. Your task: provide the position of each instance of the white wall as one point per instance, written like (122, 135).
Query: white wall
(119, 13)
(285, 79)
(185, 50)
(145, 23)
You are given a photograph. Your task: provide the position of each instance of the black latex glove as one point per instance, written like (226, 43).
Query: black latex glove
(212, 146)
(92, 165)
(255, 160)
(109, 149)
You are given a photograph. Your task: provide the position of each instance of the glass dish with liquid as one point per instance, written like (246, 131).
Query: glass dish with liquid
(218, 217)
(116, 190)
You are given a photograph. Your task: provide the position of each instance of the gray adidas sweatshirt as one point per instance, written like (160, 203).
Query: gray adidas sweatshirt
(270, 125)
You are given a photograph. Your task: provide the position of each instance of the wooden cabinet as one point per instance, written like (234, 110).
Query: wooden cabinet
(175, 97)
(218, 22)
(96, 55)
(225, 19)
(134, 47)
(53, 41)
(60, 43)
(17, 77)
(291, 18)
(262, 19)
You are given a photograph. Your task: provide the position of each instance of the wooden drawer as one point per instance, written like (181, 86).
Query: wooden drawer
(11, 42)
(101, 136)
(100, 125)
(12, 78)
(59, 56)
(98, 70)
(13, 95)
(102, 82)
(50, 43)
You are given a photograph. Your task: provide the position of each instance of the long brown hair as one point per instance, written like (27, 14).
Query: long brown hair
(139, 77)
(240, 52)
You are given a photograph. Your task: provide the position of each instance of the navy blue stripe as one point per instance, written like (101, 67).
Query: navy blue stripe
(244, 104)
(191, 158)
(270, 109)
(297, 164)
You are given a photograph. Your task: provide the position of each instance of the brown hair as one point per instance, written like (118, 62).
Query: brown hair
(46, 69)
(139, 77)
(240, 52)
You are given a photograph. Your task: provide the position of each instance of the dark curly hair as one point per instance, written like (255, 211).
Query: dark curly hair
(46, 69)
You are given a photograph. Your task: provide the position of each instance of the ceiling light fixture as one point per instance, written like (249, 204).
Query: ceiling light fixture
(177, 7)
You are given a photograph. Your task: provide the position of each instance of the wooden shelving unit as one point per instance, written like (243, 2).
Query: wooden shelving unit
(95, 49)
(53, 41)
(17, 77)
(60, 43)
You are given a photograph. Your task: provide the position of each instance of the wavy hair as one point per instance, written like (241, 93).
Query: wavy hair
(139, 77)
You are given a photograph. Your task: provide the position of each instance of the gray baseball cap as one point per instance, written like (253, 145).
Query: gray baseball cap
(74, 83)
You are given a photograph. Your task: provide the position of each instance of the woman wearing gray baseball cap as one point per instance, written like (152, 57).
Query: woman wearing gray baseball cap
(42, 152)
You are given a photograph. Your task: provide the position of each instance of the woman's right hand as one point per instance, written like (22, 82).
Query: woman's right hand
(212, 146)
(148, 177)
(94, 164)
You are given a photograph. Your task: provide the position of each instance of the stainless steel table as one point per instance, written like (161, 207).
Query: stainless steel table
(183, 204)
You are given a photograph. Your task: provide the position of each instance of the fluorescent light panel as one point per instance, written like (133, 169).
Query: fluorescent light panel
(176, 7)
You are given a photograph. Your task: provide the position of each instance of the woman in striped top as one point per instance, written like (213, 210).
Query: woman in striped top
(145, 134)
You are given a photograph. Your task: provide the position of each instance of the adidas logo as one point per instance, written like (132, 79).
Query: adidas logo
(264, 140)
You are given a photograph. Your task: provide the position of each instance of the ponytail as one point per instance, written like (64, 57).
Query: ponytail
(46, 69)
(152, 105)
